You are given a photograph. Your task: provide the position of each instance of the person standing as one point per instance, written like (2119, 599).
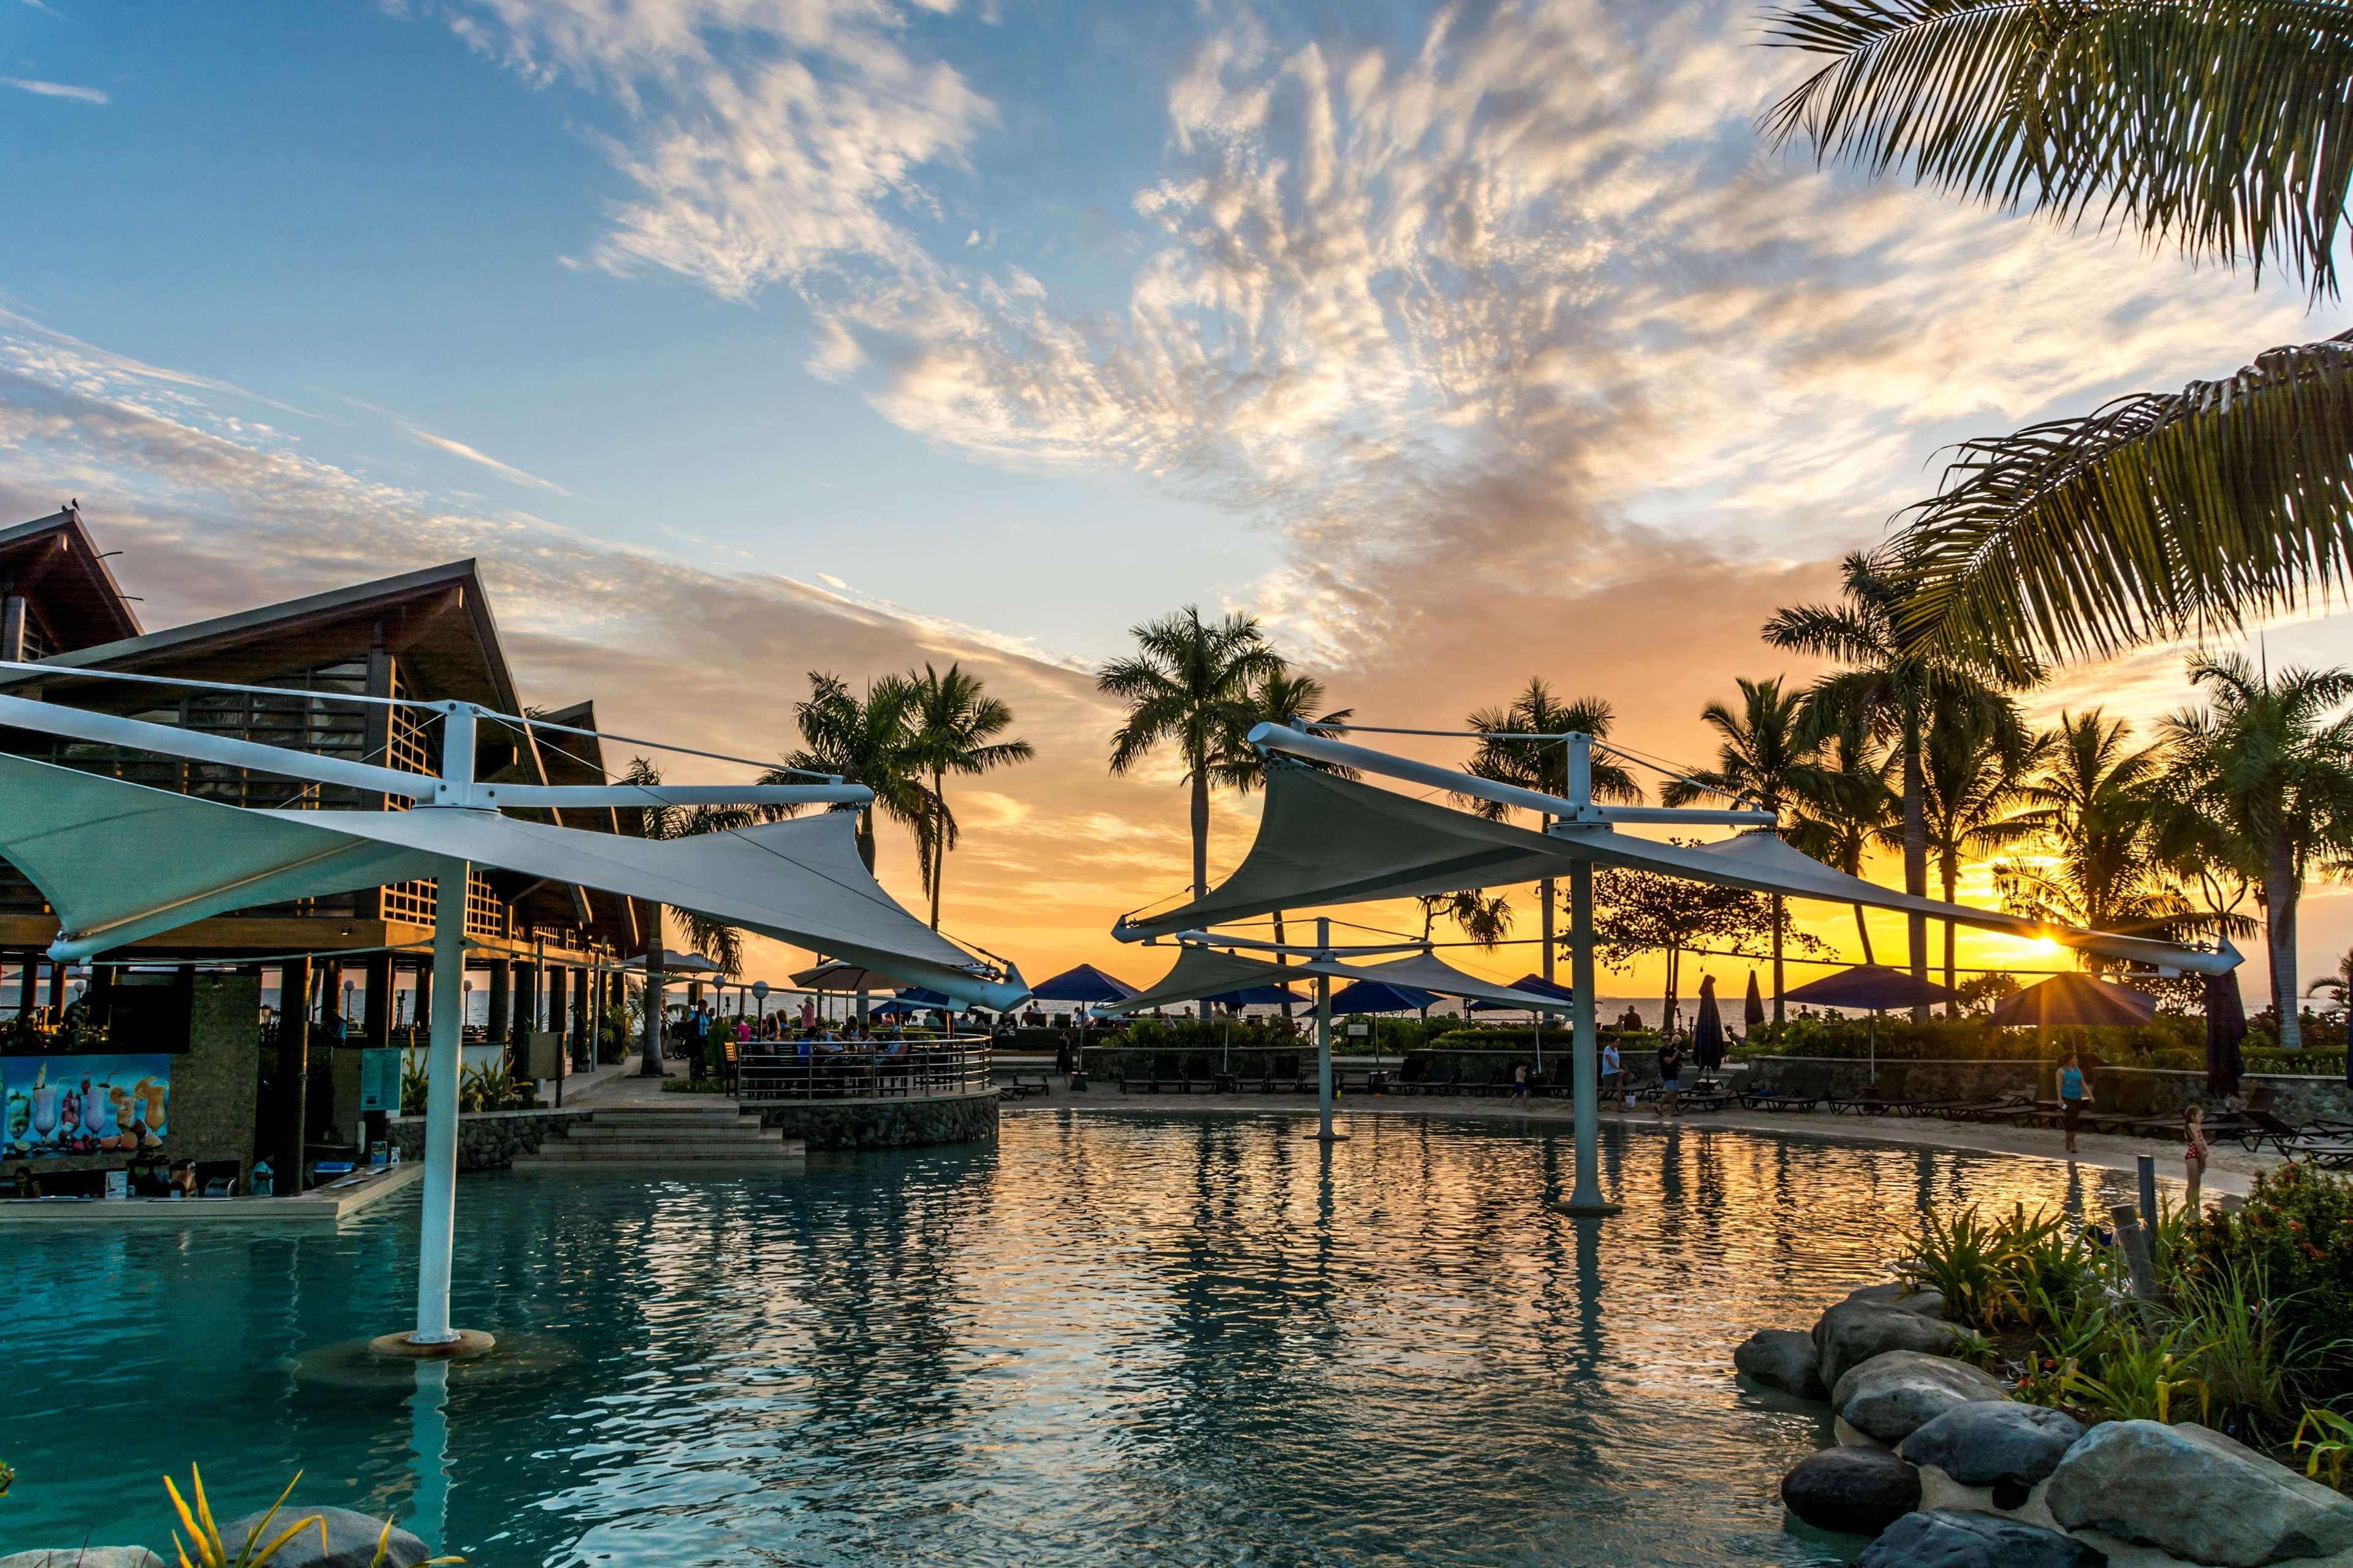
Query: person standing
(2075, 1093)
(2194, 1151)
(1613, 1070)
(1520, 1085)
(1671, 1069)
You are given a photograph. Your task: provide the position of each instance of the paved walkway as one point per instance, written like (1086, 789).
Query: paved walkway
(2231, 1170)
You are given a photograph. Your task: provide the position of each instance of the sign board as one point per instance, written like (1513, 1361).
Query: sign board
(543, 1055)
(380, 1080)
(1360, 1029)
(60, 1105)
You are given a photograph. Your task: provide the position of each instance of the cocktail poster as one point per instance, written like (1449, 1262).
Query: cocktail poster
(61, 1105)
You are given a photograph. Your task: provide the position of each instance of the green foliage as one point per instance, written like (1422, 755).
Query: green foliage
(258, 1546)
(693, 1086)
(2295, 1233)
(2142, 1371)
(2018, 1269)
(2251, 1355)
(8, 1477)
(2331, 1441)
(488, 1087)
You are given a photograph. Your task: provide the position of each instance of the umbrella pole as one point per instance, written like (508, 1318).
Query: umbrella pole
(1872, 1044)
(1324, 1032)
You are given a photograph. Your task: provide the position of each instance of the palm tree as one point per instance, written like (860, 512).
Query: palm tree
(2271, 758)
(957, 723)
(1188, 683)
(715, 939)
(1843, 802)
(1544, 764)
(1758, 757)
(1978, 758)
(2338, 984)
(2221, 126)
(1894, 683)
(869, 742)
(2093, 808)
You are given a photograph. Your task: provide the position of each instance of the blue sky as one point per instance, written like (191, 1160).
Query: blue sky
(763, 336)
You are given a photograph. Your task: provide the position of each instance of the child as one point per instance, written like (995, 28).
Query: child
(1520, 1085)
(2194, 1149)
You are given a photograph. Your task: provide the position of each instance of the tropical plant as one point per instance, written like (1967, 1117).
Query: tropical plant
(1506, 756)
(2141, 1371)
(8, 1477)
(2338, 986)
(2331, 1440)
(1762, 757)
(487, 1088)
(1892, 684)
(867, 741)
(957, 723)
(2219, 125)
(1637, 912)
(1975, 759)
(1485, 919)
(258, 1545)
(1190, 685)
(1967, 1261)
(2294, 1232)
(2270, 758)
(2252, 1353)
(2092, 809)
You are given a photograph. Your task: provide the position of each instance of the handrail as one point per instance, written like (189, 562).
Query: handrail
(779, 1071)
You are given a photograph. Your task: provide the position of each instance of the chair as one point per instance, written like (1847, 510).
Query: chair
(1199, 1070)
(1449, 1082)
(1282, 1074)
(1407, 1079)
(1130, 1078)
(1167, 1072)
(1802, 1090)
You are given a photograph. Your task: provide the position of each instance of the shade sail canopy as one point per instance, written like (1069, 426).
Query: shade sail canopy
(120, 862)
(1199, 973)
(2074, 999)
(1084, 983)
(1427, 971)
(1256, 996)
(840, 974)
(1324, 840)
(923, 996)
(1872, 985)
(1380, 997)
(676, 962)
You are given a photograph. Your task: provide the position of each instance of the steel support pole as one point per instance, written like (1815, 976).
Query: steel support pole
(1323, 1033)
(443, 1065)
(1585, 1198)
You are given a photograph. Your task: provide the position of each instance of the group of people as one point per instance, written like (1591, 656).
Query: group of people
(2197, 1148)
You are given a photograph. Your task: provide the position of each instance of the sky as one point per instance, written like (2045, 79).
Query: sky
(740, 339)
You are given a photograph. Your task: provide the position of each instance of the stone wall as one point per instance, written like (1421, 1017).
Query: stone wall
(904, 1123)
(487, 1140)
(2149, 1092)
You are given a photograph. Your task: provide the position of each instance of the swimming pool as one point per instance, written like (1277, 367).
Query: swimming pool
(1122, 1338)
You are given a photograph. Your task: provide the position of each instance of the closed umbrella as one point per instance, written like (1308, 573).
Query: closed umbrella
(1752, 1013)
(1872, 985)
(1707, 1029)
(2226, 1026)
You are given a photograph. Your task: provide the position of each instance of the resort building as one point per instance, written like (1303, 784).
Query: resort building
(216, 997)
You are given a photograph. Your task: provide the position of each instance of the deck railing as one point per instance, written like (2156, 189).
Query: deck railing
(769, 1069)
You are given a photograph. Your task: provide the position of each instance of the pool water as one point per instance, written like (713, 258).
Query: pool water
(1104, 1340)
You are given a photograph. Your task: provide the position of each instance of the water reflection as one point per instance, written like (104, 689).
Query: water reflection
(1147, 1341)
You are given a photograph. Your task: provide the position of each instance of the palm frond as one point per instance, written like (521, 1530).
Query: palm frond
(2154, 514)
(2223, 127)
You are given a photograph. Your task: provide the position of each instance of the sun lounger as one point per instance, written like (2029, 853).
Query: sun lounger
(2329, 1153)
(2259, 1127)
(1167, 1073)
(1878, 1102)
(1282, 1076)
(1130, 1079)
(1200, 1073)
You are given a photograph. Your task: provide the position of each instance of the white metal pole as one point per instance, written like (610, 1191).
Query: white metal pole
(1323, 1031)
(1585, 1198)
(444, 1061)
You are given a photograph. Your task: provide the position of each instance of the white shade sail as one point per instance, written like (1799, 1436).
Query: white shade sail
(1325, 840)
(1427, 971)
(119, 862)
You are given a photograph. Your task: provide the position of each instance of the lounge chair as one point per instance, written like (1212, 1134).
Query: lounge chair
(1130, 1078)
(1409, 1079)
(2259, 1127)
(2328, 1153)
(1167, 1073)
(1449, 1082)
(1800, 1091)
(1283, 1075)
(1200, 1073)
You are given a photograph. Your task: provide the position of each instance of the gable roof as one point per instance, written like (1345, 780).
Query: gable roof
(53, 562)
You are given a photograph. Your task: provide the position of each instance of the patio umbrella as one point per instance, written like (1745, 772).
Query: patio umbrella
(1084, 983)
(1380, 997)
(2074, 999)
(1256, 996)
(1707, 1029)
(2226, 1026)
(1872, 985)
(1752, 1012)
(840, 974)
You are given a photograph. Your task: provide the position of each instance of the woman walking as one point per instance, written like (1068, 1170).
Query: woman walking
(2194, 1149)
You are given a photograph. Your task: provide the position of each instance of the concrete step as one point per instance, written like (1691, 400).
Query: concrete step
(746, 1138)
(564, 1151)
(684, 1136)
(646, 1126)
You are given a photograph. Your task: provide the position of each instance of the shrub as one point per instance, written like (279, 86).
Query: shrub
(2294, 1232)
(2021, 1269)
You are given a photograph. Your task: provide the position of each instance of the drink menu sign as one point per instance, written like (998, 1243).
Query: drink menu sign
(53, 1106)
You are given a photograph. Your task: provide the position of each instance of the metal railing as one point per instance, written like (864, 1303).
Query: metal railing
(782, 1069)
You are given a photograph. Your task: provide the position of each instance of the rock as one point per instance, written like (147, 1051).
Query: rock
(1983, 1444)
(2195, 1494)
(351, 1540)
(1854, 1332)
(1782, 1359)
(1859, 1490)
(1953, 1538)
(1901, 1298)
(84, 1557)
(1890, 1396)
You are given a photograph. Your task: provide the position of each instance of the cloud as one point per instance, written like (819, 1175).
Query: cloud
(53, 88)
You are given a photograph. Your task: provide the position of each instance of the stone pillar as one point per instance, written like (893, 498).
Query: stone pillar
(420, 1011)
(292, 1117)
(375, 1032)
(559, 1018)
(57, 994)
(501, 1032)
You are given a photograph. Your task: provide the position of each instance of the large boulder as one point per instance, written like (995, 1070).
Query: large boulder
(351, 1540)
(84, 1557)
(1954, 1538)
(1861, 1491)
(1982, 1443)
(1857, 1329)
(1782, 1359)
(1902, 1298)
(1890, 1396)
(2195, 1494)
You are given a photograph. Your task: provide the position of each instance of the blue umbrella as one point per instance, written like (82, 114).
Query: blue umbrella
(1536, 985)
(1380, 997)
(1084, 983)
(1256, 996)
(1872, 987)
(920, 997)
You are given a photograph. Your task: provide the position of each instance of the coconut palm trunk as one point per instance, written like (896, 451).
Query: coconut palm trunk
(1545, 897)
(1915, 854)
(1780, 1006)
(2282, 887)
(1201, 819)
